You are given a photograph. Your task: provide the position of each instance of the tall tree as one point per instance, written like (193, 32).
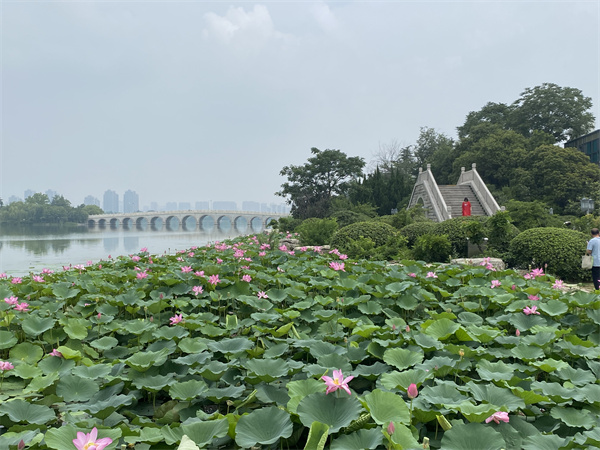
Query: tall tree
(310, 187)
(436, 149)
(562, 112)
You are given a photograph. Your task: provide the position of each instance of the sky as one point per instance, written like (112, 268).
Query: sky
(192, 100)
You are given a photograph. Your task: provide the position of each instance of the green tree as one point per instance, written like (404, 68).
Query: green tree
(92, 209)
(310, 187)
(436, 149)
(491, 113)
(37, 199)
(562, 112)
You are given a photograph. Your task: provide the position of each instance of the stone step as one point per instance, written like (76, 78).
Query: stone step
(454, 195)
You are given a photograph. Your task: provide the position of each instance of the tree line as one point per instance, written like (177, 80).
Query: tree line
(516, 148)
(39, 209)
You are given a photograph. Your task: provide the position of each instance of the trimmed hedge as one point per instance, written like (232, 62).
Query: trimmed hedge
(414, 230)
(559, 248)
(432, 248)
(457, 233)
(315, 231)
(378, 232)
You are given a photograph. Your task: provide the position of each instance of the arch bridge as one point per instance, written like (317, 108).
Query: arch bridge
(203, 220)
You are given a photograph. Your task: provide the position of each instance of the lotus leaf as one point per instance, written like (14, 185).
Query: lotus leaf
(336, 412)
(387, 407)
(263, 426)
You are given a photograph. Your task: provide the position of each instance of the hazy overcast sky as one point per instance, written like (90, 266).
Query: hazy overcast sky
(196, 100)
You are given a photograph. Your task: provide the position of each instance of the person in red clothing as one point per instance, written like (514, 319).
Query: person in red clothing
(466, 207)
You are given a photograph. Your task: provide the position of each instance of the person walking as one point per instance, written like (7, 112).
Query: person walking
(466, 207)
(593, 248)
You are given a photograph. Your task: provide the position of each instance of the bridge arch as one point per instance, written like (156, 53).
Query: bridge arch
(224, 224)
(172, 223)
(114, 222)
(207, 223)
(256, 224)
(189, 223)
(127, 223)
(156, 223)
(240, 224)
(141, 223)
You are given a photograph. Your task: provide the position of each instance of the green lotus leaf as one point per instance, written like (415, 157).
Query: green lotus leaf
(557, 392)
(265, 317)
(387, 407)
(440, 365)
(370, 308)
(367, 371)
(359, 440)
(267, 393)
(229, 392)
(263, 426)
(26, 352)
(64, 291)
(529, 397)
(187, 390)
(402, 358)
(427, 342)
(76, 389)
(495, 395)
(213, 370)
(336, 412)
(582, 299)
(93, 372)
(192, 345)
(443, 394)
(527, 352)
(440, 329)
(317, 436)
(62, 438)
(523, 322)
(268, 369)
(31, 437)
(553, 307)
(60, 365)
(549, 365)
(578, 377)
(231, 346)
(138, 327)
(574, 417)
(491, 371)
(21, 411)
(276, 350)
(187, 444)
(482, 334)
(170, 333)
(153, 383)
(473, 436)
(76, 328)
(191, 360)
(467, 318)
(545, 442)
(34, 325)
(297, 390)
(401, 380)
(476, 413)
(142, 361)
(403, 437)
(104, 343)
(7, 339)
(396, 287)
(334, 360)
(365, 330)
(40, 383)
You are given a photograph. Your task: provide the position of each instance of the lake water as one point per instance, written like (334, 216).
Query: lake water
(25, 249)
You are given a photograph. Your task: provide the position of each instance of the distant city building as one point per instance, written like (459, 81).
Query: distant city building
(251, 206)
(131, 202)
(171, 206)
(13, 198)
(224, 206)
(51, 194)
(111, 202)
(28, 193)
(153, 206)
(588, 144)
(91, 200)
(184, 206)
(202, 205)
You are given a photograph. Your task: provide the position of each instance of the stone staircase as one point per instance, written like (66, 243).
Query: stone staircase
(454, 196)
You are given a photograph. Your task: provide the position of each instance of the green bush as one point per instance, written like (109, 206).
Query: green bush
(285, 224)
(457, 231)
(432, 248)
(559, 248)
(365, 248)
(315, 231)
(414, 230)
(346, 217)
(526, 215)
(378, 232)
(500, 231)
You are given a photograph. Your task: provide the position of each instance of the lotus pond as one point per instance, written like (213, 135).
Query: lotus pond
(225, 346)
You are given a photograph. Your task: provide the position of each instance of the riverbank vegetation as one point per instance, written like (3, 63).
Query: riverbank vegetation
(38, 209)
(230, 346)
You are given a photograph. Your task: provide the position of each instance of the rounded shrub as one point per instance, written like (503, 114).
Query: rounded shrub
(416, 229)
(346, 217)
(315, 231)
(432, 248)
(378, 232)
(457, 230)
(559, 248)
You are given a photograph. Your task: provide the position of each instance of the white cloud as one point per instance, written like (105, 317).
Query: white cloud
(325, 17)
(253, 27)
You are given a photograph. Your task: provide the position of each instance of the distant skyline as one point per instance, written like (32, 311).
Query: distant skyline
(191, 101)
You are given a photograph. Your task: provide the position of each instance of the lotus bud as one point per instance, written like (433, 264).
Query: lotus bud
(412, 391)
(444, 423)
(517, 333)
(461, 352)
(391, 428)
(21, 445)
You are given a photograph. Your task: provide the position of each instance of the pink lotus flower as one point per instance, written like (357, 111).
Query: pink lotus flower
(219, 261)
(514, 287)
(558, 284)
(238, 253)
(186, 269)
(47, 271)
(342, 256)
(55, 352)
(135, 258)
(197, 290)
(537, 273)
(431, 275)
(176, 319)
(12, 300)
(533, 297)
(317, 249)
(412, 274)
(527, 276)
(199, 273)
(262, 294)
(412, 391)
(283, 248)
(5, 365)
(407, 329)
(391, 428)
(143, 250)
(337, 382)
(247, 278)
(517, 333)
(262, 253)
(265, 246)
(141, 275)
(3, 275)
(16, 280)
(495, 283)
(498, 417)
(530, 310)
(22, 306)
(214, 279)
(38, 278)
(337, 266)
(90, 441)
